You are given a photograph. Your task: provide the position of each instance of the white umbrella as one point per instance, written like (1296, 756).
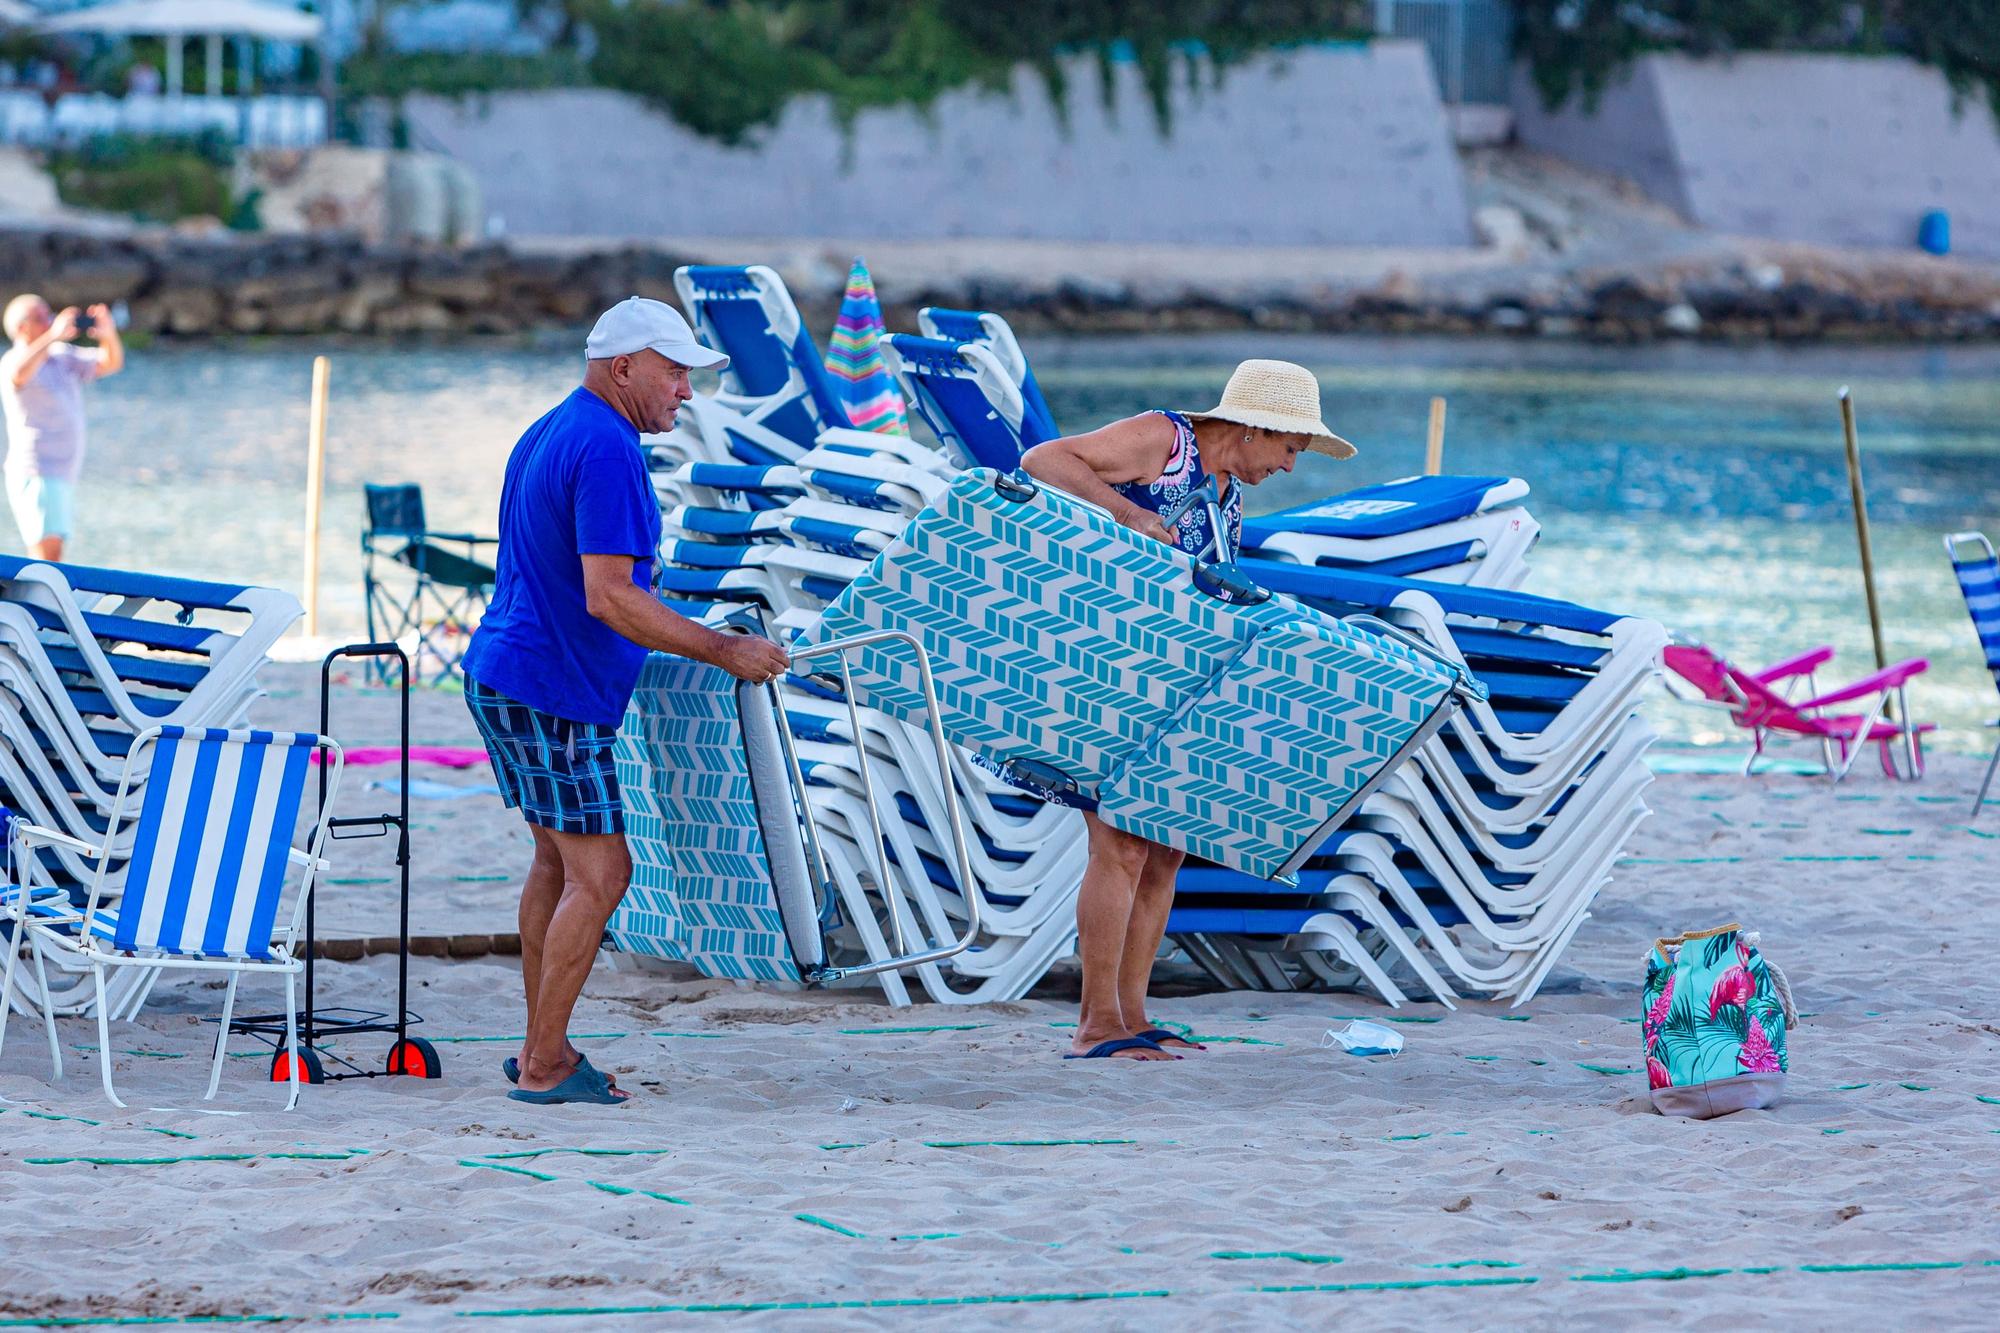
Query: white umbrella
(186, 18)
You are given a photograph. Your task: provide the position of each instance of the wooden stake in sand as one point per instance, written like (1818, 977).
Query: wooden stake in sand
(1434, 446)
(315, 486)
(1860, 494)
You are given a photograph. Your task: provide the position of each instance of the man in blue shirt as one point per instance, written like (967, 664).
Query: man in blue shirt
(553, 663)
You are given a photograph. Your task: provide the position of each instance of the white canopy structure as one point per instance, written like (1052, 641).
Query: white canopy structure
(176, 20)
(14, 14)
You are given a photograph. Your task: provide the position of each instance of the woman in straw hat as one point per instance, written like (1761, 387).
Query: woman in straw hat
(1140, 469)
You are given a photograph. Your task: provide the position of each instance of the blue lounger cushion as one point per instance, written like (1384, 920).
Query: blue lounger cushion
(726, 525)
(1388, 510)
(1320, 586)
(1408, 564)
(1060, 639)
(719, 867)
(701, 582)
(125, 583)
(855, 490)
(839, 538)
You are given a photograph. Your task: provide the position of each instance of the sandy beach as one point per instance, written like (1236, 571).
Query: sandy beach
(816, 1160)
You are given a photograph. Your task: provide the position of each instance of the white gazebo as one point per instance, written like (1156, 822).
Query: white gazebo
(177, 20)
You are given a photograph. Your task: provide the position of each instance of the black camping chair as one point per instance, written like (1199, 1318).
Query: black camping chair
(439, 591)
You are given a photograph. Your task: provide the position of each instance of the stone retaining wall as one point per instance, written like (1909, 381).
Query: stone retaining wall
(1826, 149)
(1275, 150)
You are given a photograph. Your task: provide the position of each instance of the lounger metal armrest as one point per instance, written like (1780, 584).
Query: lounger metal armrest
(1952, 542)
(1888, 678)
(37, 834)
(1804, 664)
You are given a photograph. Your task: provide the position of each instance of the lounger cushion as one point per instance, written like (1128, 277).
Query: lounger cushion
(1388, 510)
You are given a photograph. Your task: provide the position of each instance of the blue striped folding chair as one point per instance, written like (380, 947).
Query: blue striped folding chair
(211, 851)
(1979, 580)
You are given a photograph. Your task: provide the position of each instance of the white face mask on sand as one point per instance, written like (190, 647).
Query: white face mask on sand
(1360, 1037)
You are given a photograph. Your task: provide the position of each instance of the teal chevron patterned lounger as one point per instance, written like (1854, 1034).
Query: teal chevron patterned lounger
(1090, 659)
(719, 872)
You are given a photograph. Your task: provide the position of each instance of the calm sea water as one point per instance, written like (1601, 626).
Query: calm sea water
(1704, 487)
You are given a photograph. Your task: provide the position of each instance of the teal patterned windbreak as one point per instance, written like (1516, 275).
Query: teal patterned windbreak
(1057, 636)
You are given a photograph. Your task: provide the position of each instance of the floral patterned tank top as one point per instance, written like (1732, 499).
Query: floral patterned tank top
(1184, 472)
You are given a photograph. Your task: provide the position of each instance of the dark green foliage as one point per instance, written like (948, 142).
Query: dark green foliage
(727, 67)
(458, 73)
(154, 180)
(1575, 48)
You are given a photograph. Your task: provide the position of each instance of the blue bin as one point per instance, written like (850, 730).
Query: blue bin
(1934, 232)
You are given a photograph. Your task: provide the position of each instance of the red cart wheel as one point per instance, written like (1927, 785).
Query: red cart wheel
(310, 1068)
(415, 1057)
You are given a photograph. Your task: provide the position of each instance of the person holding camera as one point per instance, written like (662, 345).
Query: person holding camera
(41, 392)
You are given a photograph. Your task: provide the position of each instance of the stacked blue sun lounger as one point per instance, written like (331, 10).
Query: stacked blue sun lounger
(89, 658)
(1465, 870)
(1477, 863)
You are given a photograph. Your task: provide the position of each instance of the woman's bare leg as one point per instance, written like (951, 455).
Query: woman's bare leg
(1103, 915)
(1143, 933)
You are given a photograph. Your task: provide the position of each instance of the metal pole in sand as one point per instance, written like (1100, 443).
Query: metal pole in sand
(1890, 711)
(315, 486)
(1860, 494)
(1434, 446)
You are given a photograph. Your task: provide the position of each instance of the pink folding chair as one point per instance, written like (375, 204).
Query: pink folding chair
(1762, 702)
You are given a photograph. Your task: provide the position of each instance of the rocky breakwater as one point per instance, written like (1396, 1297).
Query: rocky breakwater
(223, 284)
(227, 284)
(1795, 296)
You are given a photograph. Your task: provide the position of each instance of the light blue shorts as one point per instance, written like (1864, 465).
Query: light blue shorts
(43, 506)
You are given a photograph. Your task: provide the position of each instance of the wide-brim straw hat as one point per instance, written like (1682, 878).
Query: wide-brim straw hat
(1280, 396)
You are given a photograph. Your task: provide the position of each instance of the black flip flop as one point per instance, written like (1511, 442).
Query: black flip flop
(1161, 1036)
(1104, 1050)
(584, 1084)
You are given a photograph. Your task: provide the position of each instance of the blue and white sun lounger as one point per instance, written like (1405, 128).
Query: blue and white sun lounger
(1105, 665)
(967, 398)
(1453, 529)
(1979, 580)
(991, 332)
(210, 855)
(775, 376)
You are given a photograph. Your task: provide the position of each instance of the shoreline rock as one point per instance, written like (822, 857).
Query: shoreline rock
(214, 286)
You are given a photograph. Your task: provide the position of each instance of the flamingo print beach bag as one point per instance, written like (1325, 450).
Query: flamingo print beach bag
(1716, 1015)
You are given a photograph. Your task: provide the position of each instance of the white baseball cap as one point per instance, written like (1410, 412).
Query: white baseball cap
(635, 324)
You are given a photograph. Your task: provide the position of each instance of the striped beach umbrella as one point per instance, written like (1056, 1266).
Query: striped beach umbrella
(854, 359)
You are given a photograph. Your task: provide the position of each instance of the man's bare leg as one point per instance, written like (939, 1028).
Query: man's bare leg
(597, 868)
(1148, 926)
(539, 895)
(48, 548)
(1103, 914)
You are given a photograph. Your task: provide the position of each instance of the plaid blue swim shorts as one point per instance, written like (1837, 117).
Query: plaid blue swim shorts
(556, 772)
